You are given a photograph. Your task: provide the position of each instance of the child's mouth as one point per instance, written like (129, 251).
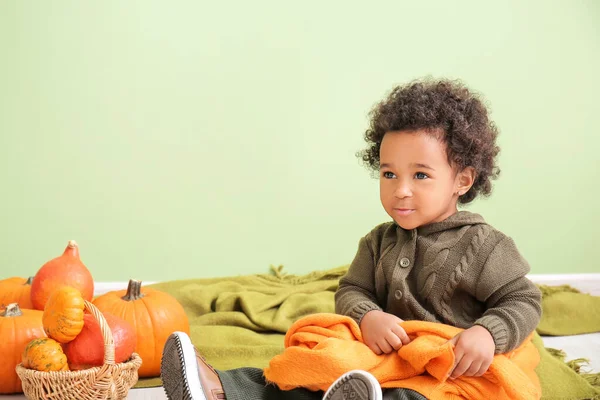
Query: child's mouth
(403, 212)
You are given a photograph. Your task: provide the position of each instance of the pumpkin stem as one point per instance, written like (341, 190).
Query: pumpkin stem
(72, 249)
(29, 280)
(134, 290)
(12, 310)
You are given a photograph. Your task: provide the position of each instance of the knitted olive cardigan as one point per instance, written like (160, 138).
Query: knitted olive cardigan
(460, 272)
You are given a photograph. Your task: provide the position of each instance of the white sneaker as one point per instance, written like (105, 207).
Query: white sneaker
(354, 385)
(185, 373)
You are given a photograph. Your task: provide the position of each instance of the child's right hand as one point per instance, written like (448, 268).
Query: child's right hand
(382, 332)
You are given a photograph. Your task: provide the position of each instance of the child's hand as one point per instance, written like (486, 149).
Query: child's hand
(474, 351)
(382, 333)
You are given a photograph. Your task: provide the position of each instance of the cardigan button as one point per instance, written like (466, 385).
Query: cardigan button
(405, 262)
(398, 294)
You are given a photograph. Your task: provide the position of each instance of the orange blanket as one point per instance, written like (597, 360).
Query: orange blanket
(321, 347)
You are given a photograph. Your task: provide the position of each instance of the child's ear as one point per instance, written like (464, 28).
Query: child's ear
(464, 180)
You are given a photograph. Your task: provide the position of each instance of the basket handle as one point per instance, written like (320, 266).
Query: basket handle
(109, 343)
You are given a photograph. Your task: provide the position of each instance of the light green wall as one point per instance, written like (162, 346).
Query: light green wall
(182, 139)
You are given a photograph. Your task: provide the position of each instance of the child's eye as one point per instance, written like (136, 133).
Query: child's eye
(388, 175)
(421, 175)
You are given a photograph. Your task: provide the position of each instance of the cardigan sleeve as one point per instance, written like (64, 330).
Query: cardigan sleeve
(513, 302)
(356, 292)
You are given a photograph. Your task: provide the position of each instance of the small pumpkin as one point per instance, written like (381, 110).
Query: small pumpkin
(16, 290)
(44, 354)
(154, 314)
(87, 349)
(17, 328)
(63, 314)
(67, 269)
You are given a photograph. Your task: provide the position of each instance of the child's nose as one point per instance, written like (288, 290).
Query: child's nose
(402, 190)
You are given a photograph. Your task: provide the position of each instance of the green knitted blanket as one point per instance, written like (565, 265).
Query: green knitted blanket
(241, 321)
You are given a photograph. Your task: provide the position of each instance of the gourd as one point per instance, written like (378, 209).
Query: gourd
(63, 314)
(44, 354)
(67, 269)
(87, 349)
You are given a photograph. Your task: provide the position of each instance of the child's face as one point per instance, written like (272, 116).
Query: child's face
(417, 184)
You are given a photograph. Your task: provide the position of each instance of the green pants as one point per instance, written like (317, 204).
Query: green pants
(250, 384)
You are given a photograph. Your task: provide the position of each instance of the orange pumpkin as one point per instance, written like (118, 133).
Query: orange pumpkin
(63, 270)
(16, 290)
(87, 349)
(44, 354)
(17, 328)
(63, 314)
(154, 314)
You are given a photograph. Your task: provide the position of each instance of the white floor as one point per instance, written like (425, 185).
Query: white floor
(579, 346)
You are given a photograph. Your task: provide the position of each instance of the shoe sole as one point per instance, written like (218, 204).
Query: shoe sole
(355, 385)
(179, 369)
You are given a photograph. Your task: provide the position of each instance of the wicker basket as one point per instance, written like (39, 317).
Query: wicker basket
(109, 381)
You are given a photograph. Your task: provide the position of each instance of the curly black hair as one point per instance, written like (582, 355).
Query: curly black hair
(448, 110)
